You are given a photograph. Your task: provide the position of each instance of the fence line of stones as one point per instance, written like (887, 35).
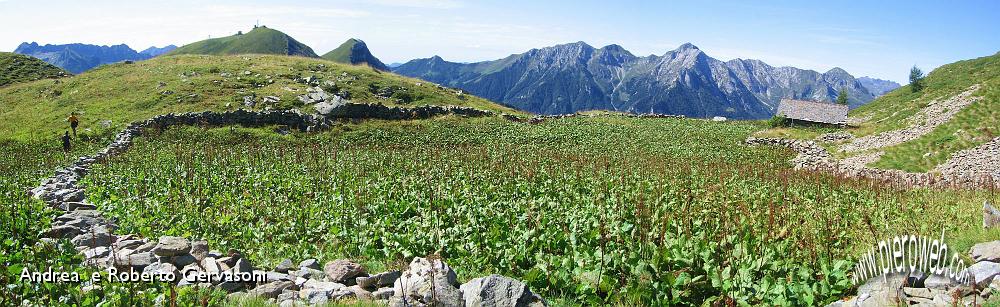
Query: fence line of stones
(812, 156)
(425, 282)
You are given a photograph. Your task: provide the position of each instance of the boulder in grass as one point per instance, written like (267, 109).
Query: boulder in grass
(986, 251)
(427, 282)
(284, 266)
(136, 261)
(172, 246)
(94, 238)
(379, 280)
(984, 272)
(199, 249)
(343, 271)
(991, 215)
(499, 291)
(310, 263)
(273, 289)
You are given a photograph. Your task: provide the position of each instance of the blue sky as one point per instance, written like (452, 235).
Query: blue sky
(867, 38)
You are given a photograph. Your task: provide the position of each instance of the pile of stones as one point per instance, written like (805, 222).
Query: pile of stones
(187, 262)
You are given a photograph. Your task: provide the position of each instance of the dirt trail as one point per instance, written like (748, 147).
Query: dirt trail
(935, 114)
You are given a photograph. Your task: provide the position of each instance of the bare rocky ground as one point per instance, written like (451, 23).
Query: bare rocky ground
(935, 114)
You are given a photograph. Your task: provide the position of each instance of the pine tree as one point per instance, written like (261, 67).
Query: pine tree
(842, 96)
(916, 79)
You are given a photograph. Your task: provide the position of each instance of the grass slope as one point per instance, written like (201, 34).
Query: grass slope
(15, 68)
(974, 125)
(260, 40)
(123, 93)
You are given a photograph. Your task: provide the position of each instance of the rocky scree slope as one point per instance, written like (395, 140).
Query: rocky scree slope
(577, 77)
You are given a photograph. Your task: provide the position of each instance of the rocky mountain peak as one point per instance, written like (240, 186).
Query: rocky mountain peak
(838, 72)
(688, 46)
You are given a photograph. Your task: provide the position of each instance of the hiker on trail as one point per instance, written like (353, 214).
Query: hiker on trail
(65, 139)
(73, 122)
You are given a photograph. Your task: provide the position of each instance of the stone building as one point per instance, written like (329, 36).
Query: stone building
(813, 112)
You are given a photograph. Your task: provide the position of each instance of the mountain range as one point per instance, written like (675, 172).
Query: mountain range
(77, 58)
(559, 79)
(878, 86)
(576, 77)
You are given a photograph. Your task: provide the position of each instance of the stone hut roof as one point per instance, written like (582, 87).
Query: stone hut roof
(813, 111)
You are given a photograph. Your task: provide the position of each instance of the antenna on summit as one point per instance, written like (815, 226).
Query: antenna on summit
(256, 24)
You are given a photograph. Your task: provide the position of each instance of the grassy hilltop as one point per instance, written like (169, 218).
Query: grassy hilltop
(354, 51)
(124, 93)
(15, 68)
(260, 40)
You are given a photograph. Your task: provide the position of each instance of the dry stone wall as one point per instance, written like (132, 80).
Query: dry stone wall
(425, 282)
(812, 156)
